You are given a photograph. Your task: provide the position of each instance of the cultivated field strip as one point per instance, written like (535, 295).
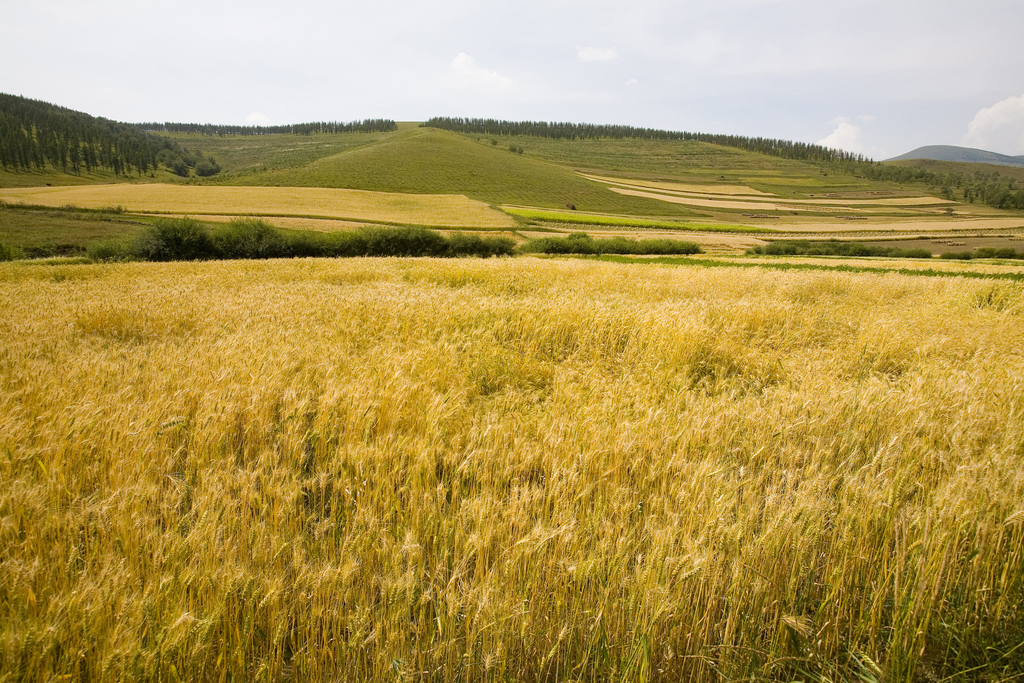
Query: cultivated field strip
(718, 189)
(745, 205)
(881, 227)
(748, 196)
(390, 207)
(507, 470)
(751, 204)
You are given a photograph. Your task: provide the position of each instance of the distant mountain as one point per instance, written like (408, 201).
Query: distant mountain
(952, 153)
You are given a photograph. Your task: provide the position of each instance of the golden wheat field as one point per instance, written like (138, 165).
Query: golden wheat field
(508, 470)
(391, 207)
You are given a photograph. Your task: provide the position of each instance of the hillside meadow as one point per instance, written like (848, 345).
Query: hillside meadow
(426, 160)
(508, 470)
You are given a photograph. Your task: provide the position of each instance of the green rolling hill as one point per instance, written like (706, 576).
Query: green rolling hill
(485, 166)
(431, 161)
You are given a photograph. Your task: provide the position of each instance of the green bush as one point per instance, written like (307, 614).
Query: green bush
(997, 252)
(207, 168)
(834, 248)
(582, 243)
(250, 238)
(335, 244)
(919, 252)
(403, 242)
(179, 167)
(462, 244)
(175, 239)
(110, 250)
(958, 255)
(185, 239)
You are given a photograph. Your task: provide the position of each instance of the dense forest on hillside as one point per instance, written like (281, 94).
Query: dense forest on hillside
(364, 126)
(34, 134)
(574, 131)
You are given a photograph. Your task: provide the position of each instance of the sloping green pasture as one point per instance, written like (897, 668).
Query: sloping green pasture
(431, 161)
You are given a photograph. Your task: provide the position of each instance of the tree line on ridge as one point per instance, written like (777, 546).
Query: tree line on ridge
(34, 134)
(311, 128)
(787, 149)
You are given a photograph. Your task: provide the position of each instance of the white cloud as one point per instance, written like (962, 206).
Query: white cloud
(472, 75)
(596, 54)
(866, 118)
(632, 81)
(257, 119)
(846, 136)
(999, 128)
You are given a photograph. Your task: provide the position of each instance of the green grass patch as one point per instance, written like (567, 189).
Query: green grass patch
(716, 263)
(40, 232)
(686, 161)
(623, 221)
(52, 176)
(240, 155)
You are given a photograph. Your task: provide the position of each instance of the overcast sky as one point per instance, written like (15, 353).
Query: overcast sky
(880, 78)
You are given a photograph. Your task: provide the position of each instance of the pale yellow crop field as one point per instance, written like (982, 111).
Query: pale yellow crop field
(430, 210)
(755, 204)
(708, 203)
(836, 201)
(723, 189)
(508, 470)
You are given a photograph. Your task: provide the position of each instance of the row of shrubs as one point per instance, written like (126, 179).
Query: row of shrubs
(582, 243)
(834, 248)
(985, 252)
(186, 239)
(839, 248)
